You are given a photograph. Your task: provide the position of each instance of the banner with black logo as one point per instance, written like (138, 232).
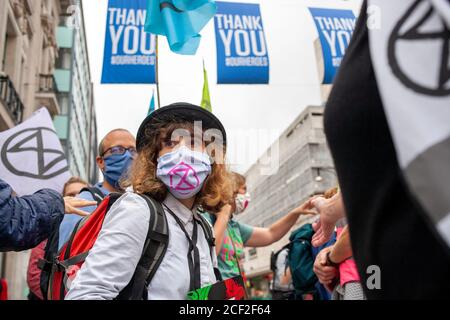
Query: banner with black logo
(31, 156)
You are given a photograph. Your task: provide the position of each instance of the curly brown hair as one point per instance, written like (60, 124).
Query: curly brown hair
(238, 181)
(217, 188)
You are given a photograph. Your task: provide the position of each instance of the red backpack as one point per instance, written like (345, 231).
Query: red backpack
(62, 269)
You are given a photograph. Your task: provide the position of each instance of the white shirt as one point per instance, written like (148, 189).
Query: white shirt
(116, 253)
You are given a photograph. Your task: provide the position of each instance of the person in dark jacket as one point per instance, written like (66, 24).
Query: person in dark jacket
(27, 221)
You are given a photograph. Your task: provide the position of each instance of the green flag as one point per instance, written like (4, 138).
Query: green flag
(206, 99)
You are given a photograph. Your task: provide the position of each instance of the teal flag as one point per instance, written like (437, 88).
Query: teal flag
(152, 104)
(180, 21)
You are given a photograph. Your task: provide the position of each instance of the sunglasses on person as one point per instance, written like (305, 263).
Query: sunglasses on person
(119, 150)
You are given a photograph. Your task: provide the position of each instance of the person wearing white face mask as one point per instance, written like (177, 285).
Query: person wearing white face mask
(232, 236)
(179, 175)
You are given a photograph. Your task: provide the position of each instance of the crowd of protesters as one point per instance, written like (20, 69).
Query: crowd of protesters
(208, 192)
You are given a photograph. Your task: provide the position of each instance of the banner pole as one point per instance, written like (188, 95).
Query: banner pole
(157, 72)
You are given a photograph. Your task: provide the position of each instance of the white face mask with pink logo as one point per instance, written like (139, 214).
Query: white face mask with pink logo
(183, 171)
(242, 201)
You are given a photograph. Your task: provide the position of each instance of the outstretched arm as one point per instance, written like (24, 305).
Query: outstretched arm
(262, 237)
(27, 221)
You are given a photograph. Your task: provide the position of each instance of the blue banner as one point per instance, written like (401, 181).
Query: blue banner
(129, 55)
(335, 28)
(242, 55)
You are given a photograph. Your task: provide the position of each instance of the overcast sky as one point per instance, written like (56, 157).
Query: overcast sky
(268, 109)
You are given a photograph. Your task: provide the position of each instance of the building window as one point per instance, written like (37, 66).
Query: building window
(63, 101)
(64, 60)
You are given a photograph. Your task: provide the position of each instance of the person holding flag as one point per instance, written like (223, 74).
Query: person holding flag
(27, 220)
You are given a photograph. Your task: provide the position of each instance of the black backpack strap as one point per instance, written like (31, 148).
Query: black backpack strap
(96, 193)
(155, 247)
(274, 256)
(286, 263)
(46, 264)
(208, 231)
(273, 259)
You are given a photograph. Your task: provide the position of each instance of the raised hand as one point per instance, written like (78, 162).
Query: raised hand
(71, 204)
(330, 210)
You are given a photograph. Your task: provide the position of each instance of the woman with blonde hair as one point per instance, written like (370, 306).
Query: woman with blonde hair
(179, 166)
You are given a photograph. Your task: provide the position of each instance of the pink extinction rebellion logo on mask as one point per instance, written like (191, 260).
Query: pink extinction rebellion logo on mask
(180, 178)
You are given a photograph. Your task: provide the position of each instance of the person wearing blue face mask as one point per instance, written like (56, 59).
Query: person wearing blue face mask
(116, 152)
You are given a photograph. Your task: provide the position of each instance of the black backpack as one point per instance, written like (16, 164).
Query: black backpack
(155, 246)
